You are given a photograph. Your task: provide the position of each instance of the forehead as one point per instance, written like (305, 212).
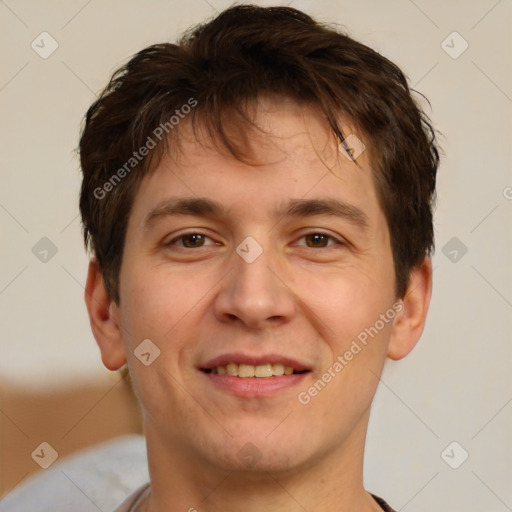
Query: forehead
(288, 150)
(271, 127)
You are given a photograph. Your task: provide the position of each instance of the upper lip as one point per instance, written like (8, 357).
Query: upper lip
(239, 358)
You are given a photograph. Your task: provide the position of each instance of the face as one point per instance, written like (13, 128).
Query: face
(233, 269)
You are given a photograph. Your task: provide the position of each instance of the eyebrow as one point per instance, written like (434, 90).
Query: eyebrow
(332, 207)
(185, 206)
(205, 207)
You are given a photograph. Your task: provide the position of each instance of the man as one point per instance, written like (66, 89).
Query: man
(258, 200)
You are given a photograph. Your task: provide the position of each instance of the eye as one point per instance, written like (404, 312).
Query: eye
(319, 240)
(192, 241)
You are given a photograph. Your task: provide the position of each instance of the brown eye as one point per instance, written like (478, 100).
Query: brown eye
(317, 240)
(191, 241)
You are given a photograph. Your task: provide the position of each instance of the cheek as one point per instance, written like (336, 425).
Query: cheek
(156, 300)
(154, 307)
(343, 303)
(168, 308)
(357, 319)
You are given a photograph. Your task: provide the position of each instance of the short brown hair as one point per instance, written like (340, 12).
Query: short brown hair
(223, 66)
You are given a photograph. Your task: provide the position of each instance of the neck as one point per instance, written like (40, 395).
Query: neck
(331, 483)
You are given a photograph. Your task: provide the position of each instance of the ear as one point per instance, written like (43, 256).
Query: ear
(410, 320)
(103, 316)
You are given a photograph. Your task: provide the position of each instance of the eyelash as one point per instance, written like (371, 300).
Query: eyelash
(329, 237)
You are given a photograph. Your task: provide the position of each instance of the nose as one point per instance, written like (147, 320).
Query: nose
(255, 294)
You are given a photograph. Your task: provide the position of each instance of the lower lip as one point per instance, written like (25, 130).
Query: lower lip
(255, 386)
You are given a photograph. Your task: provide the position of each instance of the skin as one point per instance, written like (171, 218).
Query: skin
(304, 297)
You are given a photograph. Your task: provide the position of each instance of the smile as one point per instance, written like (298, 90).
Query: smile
(251, 376)
(260, 371)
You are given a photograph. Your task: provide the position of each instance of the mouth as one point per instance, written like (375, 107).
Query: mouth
(248, 376)
(249, 371)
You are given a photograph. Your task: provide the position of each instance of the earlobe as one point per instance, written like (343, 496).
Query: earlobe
(103, 319)
(410, 321)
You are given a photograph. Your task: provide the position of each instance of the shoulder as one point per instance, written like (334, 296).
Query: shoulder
(97, 478)
(131, 504)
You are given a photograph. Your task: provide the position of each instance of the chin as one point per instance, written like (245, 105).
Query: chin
(262, 453)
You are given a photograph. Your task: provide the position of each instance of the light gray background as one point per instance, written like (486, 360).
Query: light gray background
(455, 386)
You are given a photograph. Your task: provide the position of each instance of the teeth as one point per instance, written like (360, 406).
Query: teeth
(232, 369)
(248, 370)
(245, 370)
(264, 370)
(278, 369)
